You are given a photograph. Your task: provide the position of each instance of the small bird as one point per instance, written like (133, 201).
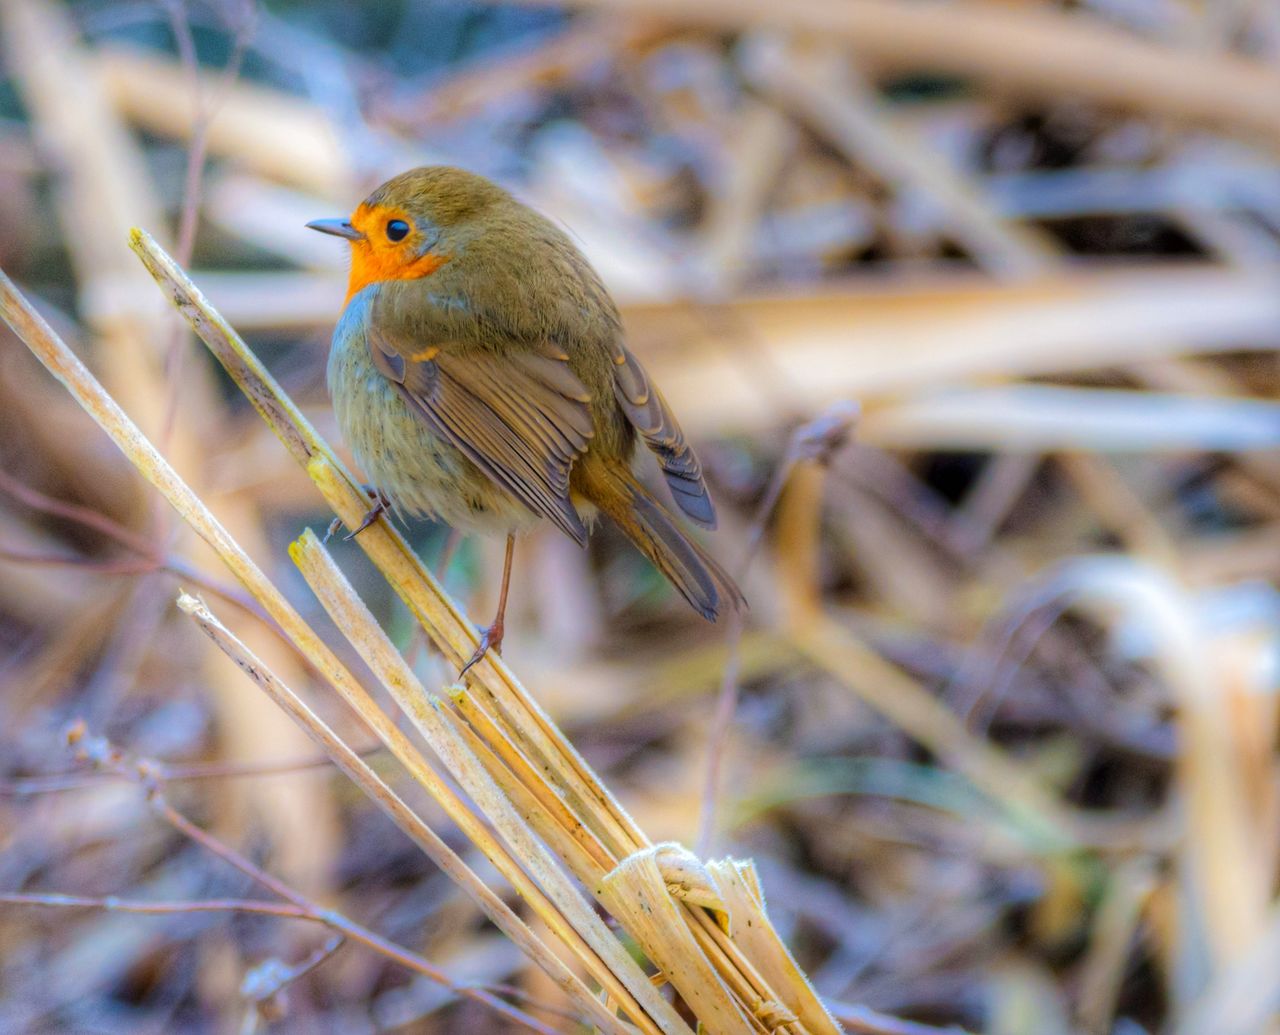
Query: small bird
(480, 376)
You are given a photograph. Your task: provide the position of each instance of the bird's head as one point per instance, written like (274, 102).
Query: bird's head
(413, 224)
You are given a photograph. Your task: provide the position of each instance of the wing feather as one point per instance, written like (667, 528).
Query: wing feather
(522, 418)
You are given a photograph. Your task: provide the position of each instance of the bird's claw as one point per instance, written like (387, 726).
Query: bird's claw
(380, 506)
(490, 640)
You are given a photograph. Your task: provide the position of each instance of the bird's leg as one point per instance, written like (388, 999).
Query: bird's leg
(491, 638)
(380, 506)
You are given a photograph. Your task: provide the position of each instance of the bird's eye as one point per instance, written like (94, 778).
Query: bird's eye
(397, 230)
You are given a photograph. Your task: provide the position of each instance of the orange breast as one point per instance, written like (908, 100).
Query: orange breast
(372, 265)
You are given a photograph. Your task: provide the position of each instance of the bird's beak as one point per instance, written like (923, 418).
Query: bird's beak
(337, 227)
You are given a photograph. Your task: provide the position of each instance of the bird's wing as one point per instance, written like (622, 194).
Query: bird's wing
(522, 418)
(652, 417)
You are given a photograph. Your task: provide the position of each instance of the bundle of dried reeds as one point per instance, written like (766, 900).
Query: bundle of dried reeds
(532, 805)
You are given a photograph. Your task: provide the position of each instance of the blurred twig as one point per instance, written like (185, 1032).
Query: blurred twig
(1037, 51)
(101, 754)
(116, 904)
(169, 772)
(812, 442)
(150, 558)
(288, 911)
(205, 107)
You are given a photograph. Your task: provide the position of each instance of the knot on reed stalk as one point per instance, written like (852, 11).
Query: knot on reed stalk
(686, 876)
(670, 866)
(773, 1016)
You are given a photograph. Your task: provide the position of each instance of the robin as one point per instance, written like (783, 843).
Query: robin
(480, 376)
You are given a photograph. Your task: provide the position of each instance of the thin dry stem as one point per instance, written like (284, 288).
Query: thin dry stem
(169, 772)
(814, 441)
(573, 920)
(491, 684)
(99, 752)
(60, 361)
(285, 911)
(385, 798)
(156, 907)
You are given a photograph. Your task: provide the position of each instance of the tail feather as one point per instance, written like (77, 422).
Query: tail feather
(652, 418)
(699, 578)
(688, 490)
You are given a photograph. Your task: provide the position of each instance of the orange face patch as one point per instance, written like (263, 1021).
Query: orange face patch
(377, 258)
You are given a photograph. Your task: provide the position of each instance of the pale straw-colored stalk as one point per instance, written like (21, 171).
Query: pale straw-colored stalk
(535, 809)
(63, 364)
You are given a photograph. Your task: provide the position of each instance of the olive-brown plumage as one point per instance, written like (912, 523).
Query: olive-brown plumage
(480, 376)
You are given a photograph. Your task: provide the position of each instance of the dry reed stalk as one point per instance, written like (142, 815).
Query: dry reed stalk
(393, 672)
(1034, 51)
(62, 363)
(816, 81)
(512, 725)
(364, 776)
(707, 966)
(826, 643)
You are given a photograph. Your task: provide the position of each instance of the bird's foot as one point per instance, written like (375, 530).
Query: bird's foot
(380, 506)
(490, 640)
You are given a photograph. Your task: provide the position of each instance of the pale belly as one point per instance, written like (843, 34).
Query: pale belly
(417, 470)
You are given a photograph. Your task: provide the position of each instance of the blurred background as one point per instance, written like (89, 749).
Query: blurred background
(1004, 747)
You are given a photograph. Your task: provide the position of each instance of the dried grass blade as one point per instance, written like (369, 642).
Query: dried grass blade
(67, 368)
(636, 893)
(555, 833)
(507, 756)
(492, 687)
(751, 931)
(510, 704)
(363, 776)
(623, 978)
